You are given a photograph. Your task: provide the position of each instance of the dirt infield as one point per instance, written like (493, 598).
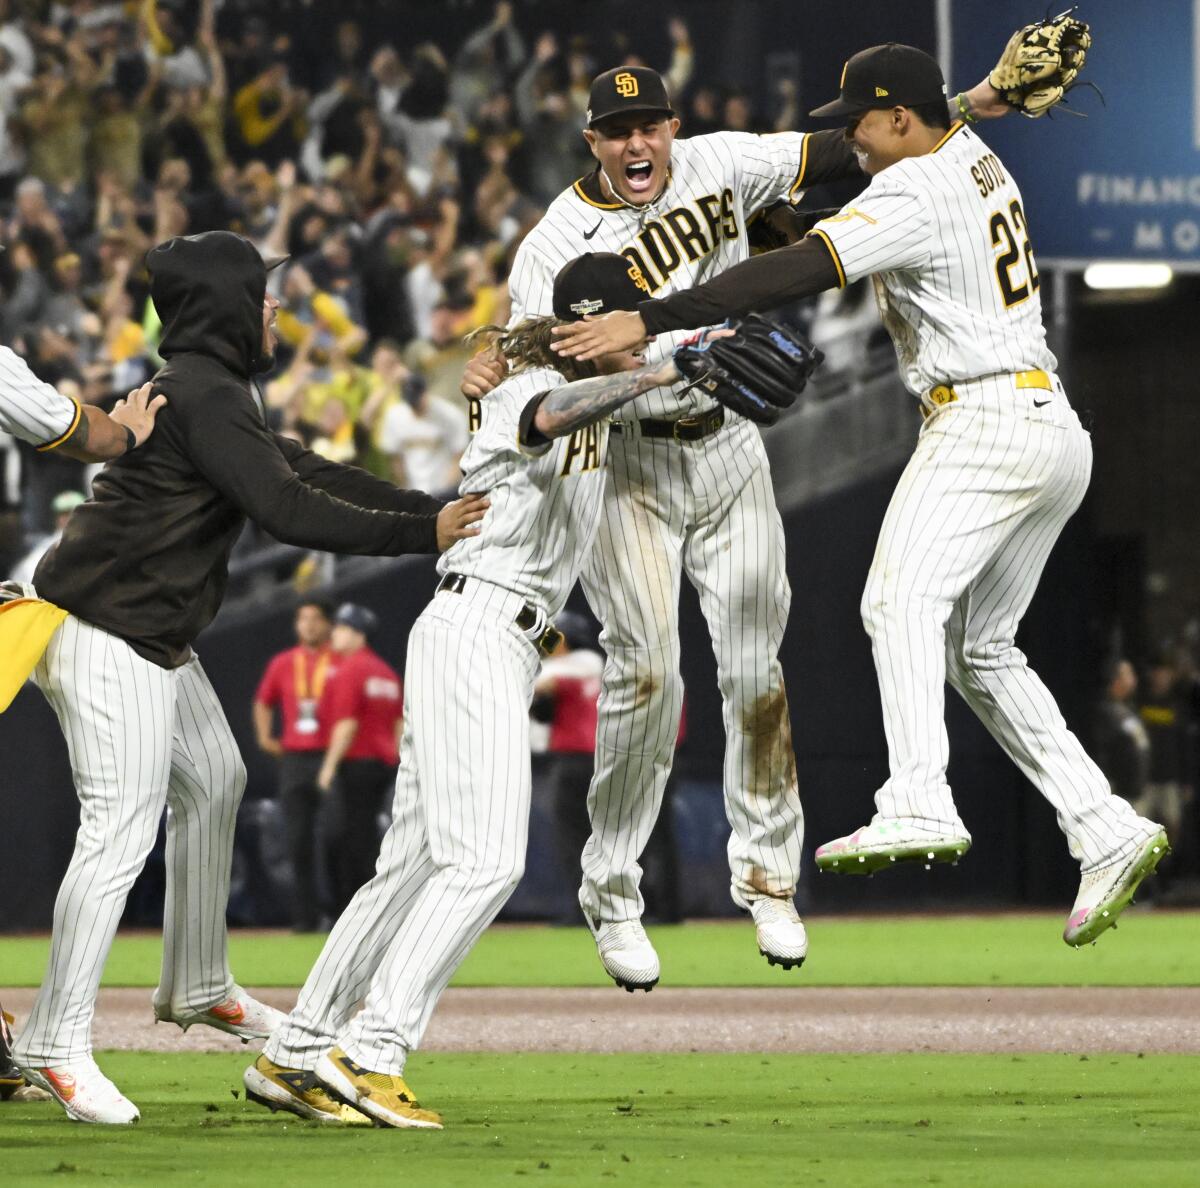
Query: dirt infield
(820, 1019)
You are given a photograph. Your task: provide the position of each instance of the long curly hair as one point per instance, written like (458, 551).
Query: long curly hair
(527, 345)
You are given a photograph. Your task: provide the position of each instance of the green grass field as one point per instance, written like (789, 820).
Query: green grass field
(1150, 948)
(692, 1120)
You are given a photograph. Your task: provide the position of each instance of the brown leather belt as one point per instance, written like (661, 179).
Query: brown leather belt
(685, 429)
(526, 620)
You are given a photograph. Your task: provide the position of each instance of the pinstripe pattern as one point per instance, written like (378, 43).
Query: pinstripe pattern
(456, 847)
(30, 409)
(706, 509)
(140, 738)
(921, 228)
(997, 473)
(754, 169)
(544, 502)
(964, 541)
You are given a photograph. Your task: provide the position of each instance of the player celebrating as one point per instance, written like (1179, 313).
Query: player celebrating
(456, 847)
(141, 570)
(1001, 456)
(689, 491)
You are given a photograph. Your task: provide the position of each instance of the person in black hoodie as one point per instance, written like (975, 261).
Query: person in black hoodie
(141, 569)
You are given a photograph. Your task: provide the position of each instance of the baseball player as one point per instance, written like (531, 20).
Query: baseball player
(689, 491)
(456, 846)
(140, 571)
(40, 414)
(1000, 466)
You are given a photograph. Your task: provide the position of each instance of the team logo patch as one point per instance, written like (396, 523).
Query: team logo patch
(586, 306)
(635, 275)
(626, 84)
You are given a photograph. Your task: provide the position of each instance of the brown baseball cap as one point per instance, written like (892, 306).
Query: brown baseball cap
(889, 75)
(624, 89)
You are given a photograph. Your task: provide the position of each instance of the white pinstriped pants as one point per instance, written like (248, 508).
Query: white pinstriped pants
(983, 499)
(140, 737)
(455, 850)
(706, 509)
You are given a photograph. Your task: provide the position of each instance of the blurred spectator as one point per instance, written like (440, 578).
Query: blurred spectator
(422, 435)
(362, 709)
(399, 176)
(62, 506)
(1122, 745)
(293, 683)
(1168, 789)
(570, 679)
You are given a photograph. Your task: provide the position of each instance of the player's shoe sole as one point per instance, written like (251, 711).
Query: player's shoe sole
(846, 856)
(1087, 923)
(298, 1092)
(383, 1097)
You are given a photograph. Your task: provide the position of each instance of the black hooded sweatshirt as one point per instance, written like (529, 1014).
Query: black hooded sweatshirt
(147, 557)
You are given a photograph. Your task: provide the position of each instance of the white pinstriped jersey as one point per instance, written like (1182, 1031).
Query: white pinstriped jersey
(545, 501)
(944, 236)
(694, 230)
(30, 409)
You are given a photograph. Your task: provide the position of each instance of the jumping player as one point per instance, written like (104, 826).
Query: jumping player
(1001, 465)
(689, 492)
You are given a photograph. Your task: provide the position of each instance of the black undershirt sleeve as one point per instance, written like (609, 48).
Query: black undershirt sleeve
(763, 282)
(829, 157)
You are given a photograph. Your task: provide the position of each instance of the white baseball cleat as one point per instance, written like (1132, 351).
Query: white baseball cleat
(625, 952)
(885, 842)
(1105, 893)
(84, 1092)
(782, 939)
(241, 1015)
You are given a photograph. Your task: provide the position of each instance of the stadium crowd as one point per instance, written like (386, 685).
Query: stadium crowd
(399, 178)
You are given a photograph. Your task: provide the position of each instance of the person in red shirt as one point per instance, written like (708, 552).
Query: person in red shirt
(294, 682)
(362, 708)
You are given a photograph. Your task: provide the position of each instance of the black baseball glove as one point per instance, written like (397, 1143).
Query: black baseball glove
(1041, 63)
(757, 372)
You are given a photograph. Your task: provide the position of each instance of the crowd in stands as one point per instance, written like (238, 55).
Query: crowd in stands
(398, 177)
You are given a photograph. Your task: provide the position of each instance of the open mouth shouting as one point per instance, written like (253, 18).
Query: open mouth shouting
(639, 176)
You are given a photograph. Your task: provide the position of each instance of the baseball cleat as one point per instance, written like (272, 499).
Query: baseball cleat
(1105, 893)
(779, 930)
(84, 1092)
(383, 1097)
(883, 843)
(13, 1086)
(240, 1015)
(626, 953)
(299, 1092)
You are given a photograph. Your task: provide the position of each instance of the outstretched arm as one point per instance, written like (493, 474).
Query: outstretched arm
(760, 283)
(572, 406)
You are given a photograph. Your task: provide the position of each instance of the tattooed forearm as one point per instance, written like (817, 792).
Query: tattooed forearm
(586, 401)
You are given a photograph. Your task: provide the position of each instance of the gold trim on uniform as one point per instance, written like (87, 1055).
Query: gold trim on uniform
(578, 188)
(957, 126)
(53, 445)
(803, 167)
(837, 260)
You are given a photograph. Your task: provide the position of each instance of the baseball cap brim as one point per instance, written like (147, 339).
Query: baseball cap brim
(623, 111)
(273, 260)
(840, 107)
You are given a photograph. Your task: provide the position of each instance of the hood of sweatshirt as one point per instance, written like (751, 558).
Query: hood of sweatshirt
(208, 290)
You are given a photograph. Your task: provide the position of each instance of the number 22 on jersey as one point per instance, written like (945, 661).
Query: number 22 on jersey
(1006, 228)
